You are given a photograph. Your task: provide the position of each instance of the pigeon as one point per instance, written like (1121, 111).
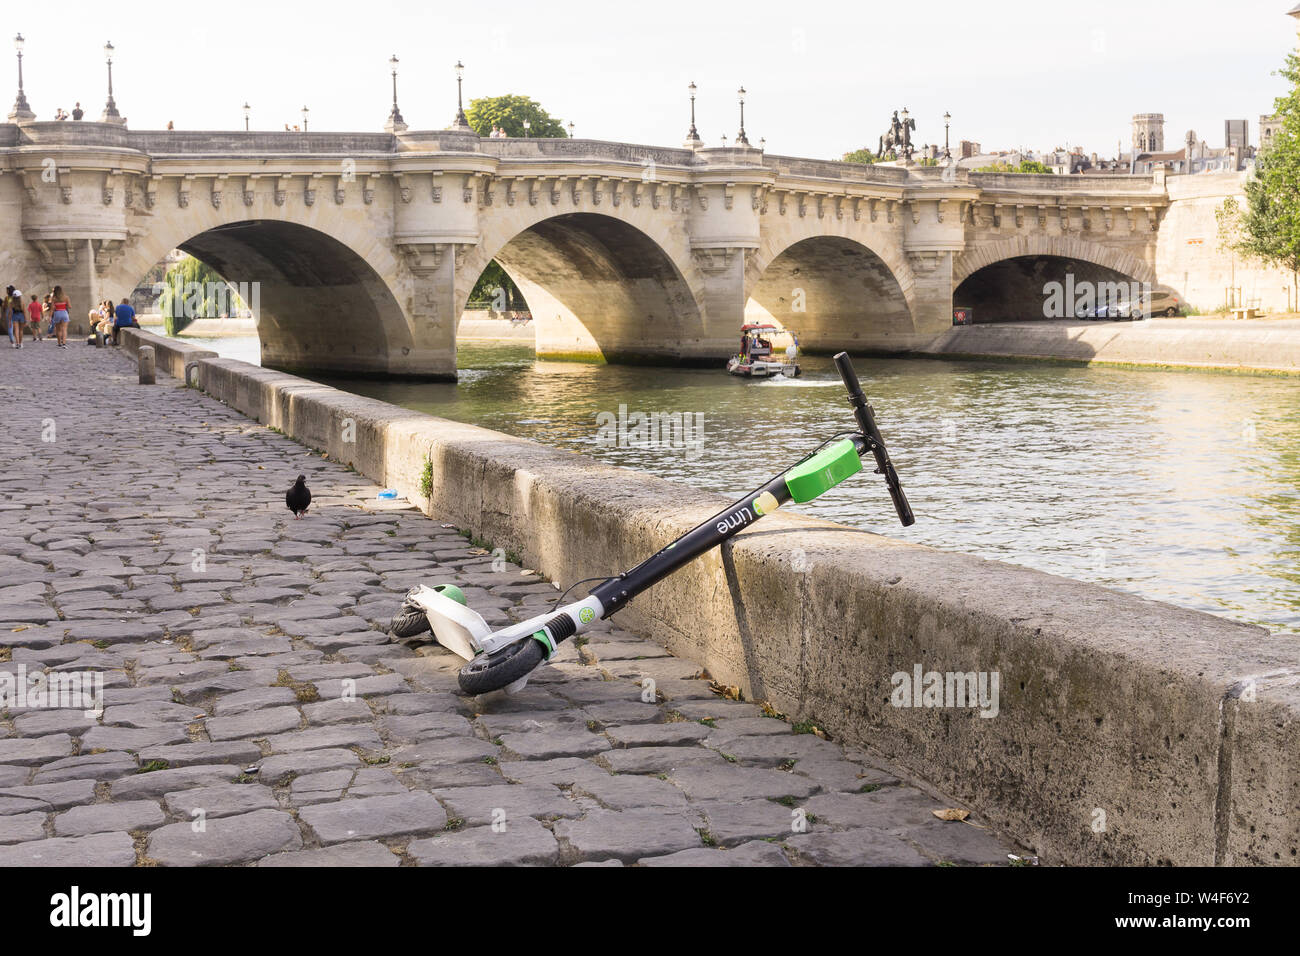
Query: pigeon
(298, 497)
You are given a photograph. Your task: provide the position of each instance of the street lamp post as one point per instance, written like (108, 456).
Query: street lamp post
(693, 137)
(21, 110)
(947, 119)
(395, 122)
(527, 127)
(304, 119)
(461, 122)
(248, 112)
(111, 114)
(741, 139)
(570, 129)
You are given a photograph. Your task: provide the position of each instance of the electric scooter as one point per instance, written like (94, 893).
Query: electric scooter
(504, 659)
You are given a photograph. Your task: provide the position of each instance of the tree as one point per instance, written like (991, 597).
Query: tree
(192, 289)
(485, 291)
(864, 156)
(1026, 166)
(1268, 228)
(509, 113)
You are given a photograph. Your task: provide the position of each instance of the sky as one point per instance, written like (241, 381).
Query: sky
(822, 77)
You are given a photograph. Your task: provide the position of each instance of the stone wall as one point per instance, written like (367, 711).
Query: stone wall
(1181, 728)
(1188, 254)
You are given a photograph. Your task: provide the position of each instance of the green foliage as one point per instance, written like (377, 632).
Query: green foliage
(193, 290)
(1026, 166)
(493, 278)
(426, 479)
(1268, 228)
(509, 113)
(864, 156)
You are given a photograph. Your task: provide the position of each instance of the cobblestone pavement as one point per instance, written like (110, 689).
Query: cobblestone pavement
(256, 712)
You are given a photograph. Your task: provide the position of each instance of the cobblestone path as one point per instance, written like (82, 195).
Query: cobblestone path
(255, 712)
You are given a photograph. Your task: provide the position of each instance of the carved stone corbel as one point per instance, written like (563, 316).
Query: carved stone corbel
(282, 189)
(250, 184)
(183, 190)
(728, 195)
(1064, 211)
(436, 186)
(1042, 215)
(467, 188)
(403, 187)
(218, 188)
(65, 184)
(111, 179)
(340, 189)
(105, 252)
(616, 193)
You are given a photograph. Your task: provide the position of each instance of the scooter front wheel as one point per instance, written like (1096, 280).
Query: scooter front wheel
(489, 672)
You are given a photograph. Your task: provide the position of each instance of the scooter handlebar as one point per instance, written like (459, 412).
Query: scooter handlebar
(867, 424)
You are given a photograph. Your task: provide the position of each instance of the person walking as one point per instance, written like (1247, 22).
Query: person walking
(124, 319)
(34, 315)
(59, 309)
(11, 296)
(47, 313)
(15, 310)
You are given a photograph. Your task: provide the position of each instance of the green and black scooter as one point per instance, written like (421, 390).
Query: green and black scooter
(504, 659)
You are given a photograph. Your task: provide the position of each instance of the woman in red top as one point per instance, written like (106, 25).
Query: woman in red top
(34, 314)
(60, 306)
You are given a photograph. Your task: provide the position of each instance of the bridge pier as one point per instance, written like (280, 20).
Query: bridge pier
(932, 301)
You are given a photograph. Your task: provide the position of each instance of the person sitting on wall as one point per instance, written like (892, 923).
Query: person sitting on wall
(124, 319)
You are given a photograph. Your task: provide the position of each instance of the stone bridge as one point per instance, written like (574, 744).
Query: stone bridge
(366, 246)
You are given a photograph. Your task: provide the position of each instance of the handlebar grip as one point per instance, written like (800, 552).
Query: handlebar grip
(849, 376)
(867, 424)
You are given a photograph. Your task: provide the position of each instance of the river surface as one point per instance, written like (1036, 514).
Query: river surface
(1178, 486)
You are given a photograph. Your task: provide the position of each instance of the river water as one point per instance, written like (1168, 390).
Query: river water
(1178, 486)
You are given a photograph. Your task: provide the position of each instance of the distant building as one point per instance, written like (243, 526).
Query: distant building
(1268, 128)
(967, 149)
(1148, 133)
(1236, 133)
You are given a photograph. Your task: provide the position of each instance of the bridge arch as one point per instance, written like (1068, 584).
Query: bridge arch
(836, 290)
(598, 284)
(328, 299)
(1008, 279)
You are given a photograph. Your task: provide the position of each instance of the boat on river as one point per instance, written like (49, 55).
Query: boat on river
(766, 351)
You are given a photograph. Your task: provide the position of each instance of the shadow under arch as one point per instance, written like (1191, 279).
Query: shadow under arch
(1030, 287)
(320, 307)
(600, 288)
(837, 293)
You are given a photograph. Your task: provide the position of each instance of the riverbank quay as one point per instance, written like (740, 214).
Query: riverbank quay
(1252, 345)
(254, 711)
(1127, 731)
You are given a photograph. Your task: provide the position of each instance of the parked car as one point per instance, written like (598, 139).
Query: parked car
(1159, 303)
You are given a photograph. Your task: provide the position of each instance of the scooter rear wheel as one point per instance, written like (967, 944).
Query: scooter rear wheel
(489, 672)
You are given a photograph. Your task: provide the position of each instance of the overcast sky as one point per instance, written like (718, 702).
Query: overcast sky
(822, 76)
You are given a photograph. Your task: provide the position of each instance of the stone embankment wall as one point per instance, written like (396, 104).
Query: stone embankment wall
(1127, 731)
